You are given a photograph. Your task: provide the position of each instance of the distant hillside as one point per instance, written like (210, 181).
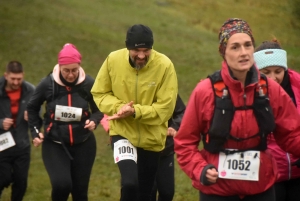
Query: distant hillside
(33, 31)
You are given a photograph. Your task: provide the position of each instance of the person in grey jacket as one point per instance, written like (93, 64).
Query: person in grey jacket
(14, 138)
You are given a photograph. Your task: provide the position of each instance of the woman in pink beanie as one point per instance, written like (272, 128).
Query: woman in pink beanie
(69, 145)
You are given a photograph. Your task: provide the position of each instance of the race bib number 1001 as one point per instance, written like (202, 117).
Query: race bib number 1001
(240, 165)
(124, 150)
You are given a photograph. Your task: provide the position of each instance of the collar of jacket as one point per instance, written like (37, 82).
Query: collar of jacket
(253, 76)
(56, 72)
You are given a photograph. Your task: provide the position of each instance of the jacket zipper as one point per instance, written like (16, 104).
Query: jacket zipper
(70, 125)
(244, 111)
(136, 101)
(290, 168)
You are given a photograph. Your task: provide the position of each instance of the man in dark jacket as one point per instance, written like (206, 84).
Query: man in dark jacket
(14, 138)
(165, 181)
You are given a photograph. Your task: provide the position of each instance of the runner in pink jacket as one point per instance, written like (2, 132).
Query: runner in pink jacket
(239, 171)
(271, 60)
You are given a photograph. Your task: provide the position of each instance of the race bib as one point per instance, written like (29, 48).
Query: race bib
(6, 141)
(67, 113)
(240, 165)
(124, 150)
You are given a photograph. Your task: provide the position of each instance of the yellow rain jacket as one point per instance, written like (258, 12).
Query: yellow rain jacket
(153, 89)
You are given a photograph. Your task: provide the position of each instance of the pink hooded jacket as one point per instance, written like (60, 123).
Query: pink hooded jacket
(284, 160)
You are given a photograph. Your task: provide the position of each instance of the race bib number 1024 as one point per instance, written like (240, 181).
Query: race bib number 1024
(67, 113)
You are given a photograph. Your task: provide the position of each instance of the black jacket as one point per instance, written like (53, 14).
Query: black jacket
(174, 122)
(20, 132)
(58, 130)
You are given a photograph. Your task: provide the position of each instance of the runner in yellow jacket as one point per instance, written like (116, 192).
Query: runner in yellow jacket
(137, 87)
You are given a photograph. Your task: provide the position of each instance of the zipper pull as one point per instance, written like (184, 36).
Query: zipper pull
(225, 94)
(261, 91)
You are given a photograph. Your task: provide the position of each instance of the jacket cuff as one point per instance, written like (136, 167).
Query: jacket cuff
(34, 134)
(1, 123)
(203, 179)
(95, 121)
(137, 113)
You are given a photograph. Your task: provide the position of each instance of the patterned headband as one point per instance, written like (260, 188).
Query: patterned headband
(230, 27)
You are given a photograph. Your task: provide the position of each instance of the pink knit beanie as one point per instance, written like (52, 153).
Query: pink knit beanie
(68, 55)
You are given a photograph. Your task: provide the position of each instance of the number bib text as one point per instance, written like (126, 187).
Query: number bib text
(6, 141)
(240, 165)
(67, 113)
(124, 150)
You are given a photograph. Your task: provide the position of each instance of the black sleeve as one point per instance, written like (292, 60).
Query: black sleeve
(175, 121)
(96, 115)
(34, 105)
(203, 179)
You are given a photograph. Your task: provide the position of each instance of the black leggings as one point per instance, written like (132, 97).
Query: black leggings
(288, 190)
(14, 169)
(268, 195)
(164, 183)
(69, 176)
(137, 179)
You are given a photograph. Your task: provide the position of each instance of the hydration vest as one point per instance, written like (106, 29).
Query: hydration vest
(219, 131)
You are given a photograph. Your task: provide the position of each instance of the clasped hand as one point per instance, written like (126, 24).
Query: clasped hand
(125, 111)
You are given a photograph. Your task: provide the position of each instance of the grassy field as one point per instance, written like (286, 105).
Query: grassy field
(34, 31)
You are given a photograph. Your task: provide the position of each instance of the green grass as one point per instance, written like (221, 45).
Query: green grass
(34, 31)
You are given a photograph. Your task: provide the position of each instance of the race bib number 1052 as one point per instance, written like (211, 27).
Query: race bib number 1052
(240, 165)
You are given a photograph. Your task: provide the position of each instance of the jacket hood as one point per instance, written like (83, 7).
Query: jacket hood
(295, 83)
(55, 74)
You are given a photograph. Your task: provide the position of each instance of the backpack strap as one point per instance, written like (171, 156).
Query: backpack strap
(54, 87)
(263, 85)
(263, 112)
(220, 125)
